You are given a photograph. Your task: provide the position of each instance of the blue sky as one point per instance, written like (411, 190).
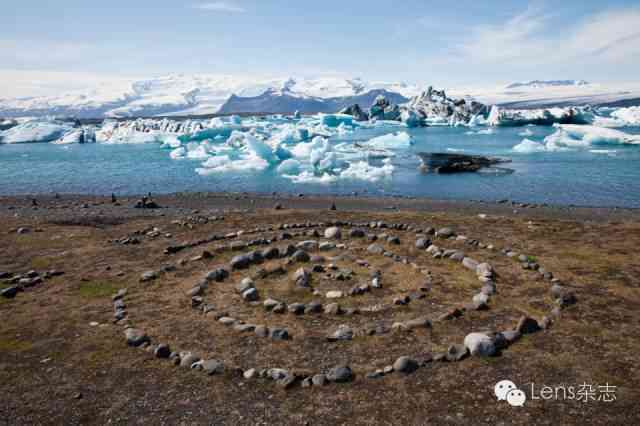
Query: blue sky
(441, 42)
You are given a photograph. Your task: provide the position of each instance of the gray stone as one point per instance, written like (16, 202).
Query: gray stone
(456, 353)
(217, 275)
(188, 359)
(136, 337)
(527, 325)
(277, 373)
(245, 285)
(297, 308)
(485, 270)
(418, 323)
(470, 263)
(271, 253)
(444, 233)
(357, 233)
(340, 374)
(261, 331)
(195, 291)
(162, 351)
(120, 294)
(10, 292)
(511, 335)
(423, 243)
(244, 328)
(567, 299)
(332, 233)
(479, 344)
(288, 381)
(375, 249)
(458, 256)
(280, 308)
(393, 240)
(405, 365)
(326, 246)
(250, 295)
(343, 332)
(309, 245)
(488, 289)
(313, 307)
(302, 278)
(279, 334)
(269, 304)
(228, 321)
(148, 276)
(480, 299)
(300, 256)
(332, 309)
(212, 366)
(319, 380)
(242, 261)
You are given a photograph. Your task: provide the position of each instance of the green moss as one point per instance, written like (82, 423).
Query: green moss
(96, 289)
(40, 263)
(12, 345)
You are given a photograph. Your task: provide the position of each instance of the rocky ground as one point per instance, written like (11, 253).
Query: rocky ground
(336, 331)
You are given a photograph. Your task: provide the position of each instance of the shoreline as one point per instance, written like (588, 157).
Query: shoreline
(180, 201)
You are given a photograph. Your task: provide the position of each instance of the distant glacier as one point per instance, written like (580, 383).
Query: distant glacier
(196, 95)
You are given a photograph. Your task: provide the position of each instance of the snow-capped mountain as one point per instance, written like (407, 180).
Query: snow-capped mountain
(181, 94)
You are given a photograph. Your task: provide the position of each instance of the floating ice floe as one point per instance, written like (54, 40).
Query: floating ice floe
(399, 140)
(35, 131)
(527, 146)
(542, 117)
(592, 135)
(630, 116)
(571, 136)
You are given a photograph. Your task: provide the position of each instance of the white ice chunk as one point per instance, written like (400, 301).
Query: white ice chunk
(599, 135)
(527, 146)
(289, 167)
(362, 170)
(178, 153)
(630, 115)
(399, 140)
(35, 131)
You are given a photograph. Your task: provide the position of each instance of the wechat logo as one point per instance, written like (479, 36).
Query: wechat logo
(506, 390)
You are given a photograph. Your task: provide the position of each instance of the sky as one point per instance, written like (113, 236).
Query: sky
(445, 43)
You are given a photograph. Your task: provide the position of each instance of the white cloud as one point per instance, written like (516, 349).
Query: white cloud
(532, 38)
(220, 6)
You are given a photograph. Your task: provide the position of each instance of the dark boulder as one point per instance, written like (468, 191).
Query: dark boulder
(456, 163)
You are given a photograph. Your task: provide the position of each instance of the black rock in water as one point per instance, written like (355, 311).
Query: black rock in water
(456, 163)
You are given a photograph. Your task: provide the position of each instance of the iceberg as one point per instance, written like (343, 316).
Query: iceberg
(289, 167)
(362, 170)
(399, 140)
(35, 131)
(527, 146)
(540, 117)
(224, 164)
(599, 135)
(335, 120)
(630, 116)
